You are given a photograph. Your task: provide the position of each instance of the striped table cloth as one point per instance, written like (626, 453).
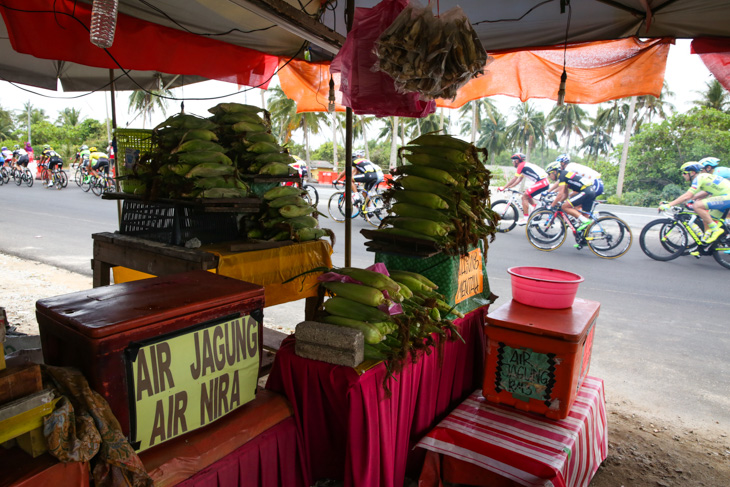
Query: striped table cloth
(525, 448)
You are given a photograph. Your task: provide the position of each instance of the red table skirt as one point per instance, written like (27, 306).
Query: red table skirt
(18, 469)
(269, 460)
(352, 430)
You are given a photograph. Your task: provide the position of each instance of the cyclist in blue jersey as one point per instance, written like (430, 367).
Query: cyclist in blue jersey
(532, 173)
(712, 166)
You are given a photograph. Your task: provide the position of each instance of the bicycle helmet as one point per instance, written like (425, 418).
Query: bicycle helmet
(553, 166)
(519, 157)
(358, 154)
(16, 146)
(710, 161)
(4, 148)
(691, 166)
(93, 149)
(46, 147)
(84, 147)
(563, 159)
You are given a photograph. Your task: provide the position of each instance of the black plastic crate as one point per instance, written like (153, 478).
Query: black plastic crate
(175, 224)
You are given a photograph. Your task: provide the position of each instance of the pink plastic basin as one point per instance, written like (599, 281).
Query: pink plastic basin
(543, 287)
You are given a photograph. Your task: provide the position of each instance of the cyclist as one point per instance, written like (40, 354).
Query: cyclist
(97, 161)
(82, 156)
(20, 156)
(367, 172)
(582, 195)
(591, 174)
(711, 165)
(51, 157)
(6, 153)
(533, 173)
(716, 190)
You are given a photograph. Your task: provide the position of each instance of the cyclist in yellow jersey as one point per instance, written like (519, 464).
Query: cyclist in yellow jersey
(716, 189)
(98, 160)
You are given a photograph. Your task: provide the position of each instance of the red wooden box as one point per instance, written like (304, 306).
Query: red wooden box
(135, 341)
(537, 358)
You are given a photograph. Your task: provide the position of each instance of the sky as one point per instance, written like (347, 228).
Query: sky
(685, 73)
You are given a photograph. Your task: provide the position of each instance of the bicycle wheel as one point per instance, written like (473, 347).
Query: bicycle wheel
(609, 237)
(722, 250)
(508, 215)
(312, 195)
(87, 182)
(78, 176)
(27, 178)
(64, 178)
(336, 207)
(109, 184)
(545, 230)
(97, 187)
(664, 239)
(57, 181)
(4, 176)
(377, 212)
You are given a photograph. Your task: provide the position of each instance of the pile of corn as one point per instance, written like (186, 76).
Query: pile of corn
(248, 139)
(188, 162)
(432, 56)
(366, 305)
(284, 216)
(440, 195)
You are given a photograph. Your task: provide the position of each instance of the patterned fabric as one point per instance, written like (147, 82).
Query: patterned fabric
(83, 428)
(525, 447)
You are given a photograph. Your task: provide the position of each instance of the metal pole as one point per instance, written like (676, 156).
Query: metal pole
(625, 151)
(350, 12)
(29, 122)
(114, 144)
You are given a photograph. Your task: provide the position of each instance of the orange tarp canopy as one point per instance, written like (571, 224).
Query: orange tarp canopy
(597, 72)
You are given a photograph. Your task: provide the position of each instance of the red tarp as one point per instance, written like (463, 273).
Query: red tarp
(715, 53)
(58, 30)
(597, 72)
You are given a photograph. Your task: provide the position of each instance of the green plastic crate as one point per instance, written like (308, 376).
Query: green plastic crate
(131, 143)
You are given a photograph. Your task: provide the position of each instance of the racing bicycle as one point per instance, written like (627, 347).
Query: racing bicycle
(103, 183)
(371, 206)
(680, 233)
(510, 210)
(58, 176)
(22, 175)
(607, 236)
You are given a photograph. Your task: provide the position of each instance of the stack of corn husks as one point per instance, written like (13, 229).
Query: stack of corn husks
(285, 216)
(398, 314)
(250, 144)
(188, 162)
(441, 195)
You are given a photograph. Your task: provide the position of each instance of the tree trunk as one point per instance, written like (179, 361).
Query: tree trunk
(364, 137)
(393, 141)
(474, 108)
(334, 141)
(441, 121)
(625, 151)
(402, 125)
(306, 139)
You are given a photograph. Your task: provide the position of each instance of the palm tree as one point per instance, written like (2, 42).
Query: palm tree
(285, 118)
(360, 126)
(493, 134)
(472, 114)
(715, 96)
(528, 129)
(145, 102)
(596, 142)
(70, 117)
(566, 120)
(390, 131)
(649, 107)
(6, 124)
(613, 117)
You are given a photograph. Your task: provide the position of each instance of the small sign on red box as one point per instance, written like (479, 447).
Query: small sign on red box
(471, 277)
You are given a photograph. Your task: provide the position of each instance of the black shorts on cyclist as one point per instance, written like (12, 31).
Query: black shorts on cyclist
(54, 162)
(102, 162)
(369, 180)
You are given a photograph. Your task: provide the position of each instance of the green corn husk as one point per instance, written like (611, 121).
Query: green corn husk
(416, 211)
(220, 182)
(429, 200)
(354, 310)
(235, 117)
(281, 157)
(197, 145)
(420, 225)
(211, 169)
(248, 127)
(370, 332)
(252, 138)
(280, 191)
(200, 157)
(231, 107)
(199, 134)
(304, 221)
(292, 211)
(224, 193)
(357, 292)
(288, 200)
(307, 234)
(263, 148)
(179, 169)
(276, 169)
(428, 282)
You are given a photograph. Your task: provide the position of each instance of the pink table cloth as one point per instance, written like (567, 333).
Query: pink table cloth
(352, 430)
(521, 447)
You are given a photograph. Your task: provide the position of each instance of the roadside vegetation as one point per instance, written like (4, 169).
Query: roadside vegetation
(660, 139)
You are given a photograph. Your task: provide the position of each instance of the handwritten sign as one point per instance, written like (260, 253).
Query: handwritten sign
(189, 380)
(471, 276)
(524, 373)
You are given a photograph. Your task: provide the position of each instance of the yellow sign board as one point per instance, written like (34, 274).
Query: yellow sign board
(471, 275)
(189, 380)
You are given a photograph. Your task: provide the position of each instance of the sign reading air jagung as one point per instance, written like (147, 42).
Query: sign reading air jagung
(189, 380)
(471, 277)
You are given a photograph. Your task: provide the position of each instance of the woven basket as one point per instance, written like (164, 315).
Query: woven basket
(130, 144)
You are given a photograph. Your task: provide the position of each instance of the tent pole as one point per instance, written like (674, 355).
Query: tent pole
(350, 11)
(114, 144)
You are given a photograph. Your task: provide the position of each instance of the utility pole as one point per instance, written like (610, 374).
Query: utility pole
(29, 122)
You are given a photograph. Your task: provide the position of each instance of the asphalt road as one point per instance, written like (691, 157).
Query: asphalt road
(663, 334)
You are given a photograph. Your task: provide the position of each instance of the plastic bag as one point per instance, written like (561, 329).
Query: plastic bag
(367, 91)
(432, 56)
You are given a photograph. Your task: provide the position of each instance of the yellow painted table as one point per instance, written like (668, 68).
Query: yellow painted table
(268, 268)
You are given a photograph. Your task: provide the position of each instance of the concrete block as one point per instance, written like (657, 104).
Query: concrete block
(336, 356)
(329, 335)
